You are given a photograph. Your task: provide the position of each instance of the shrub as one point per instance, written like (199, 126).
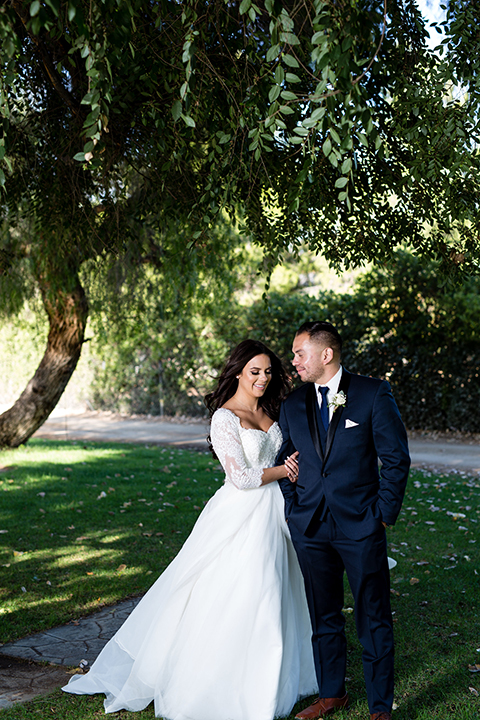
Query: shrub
(399, 324)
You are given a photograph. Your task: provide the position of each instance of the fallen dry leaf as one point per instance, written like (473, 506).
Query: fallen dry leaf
(414, 581)
(473, 691)
(121, 568)
(474, 668)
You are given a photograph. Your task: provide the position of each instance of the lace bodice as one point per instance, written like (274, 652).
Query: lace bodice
(243, 452)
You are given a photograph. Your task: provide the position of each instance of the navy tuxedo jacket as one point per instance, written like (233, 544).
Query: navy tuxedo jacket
(340, 469)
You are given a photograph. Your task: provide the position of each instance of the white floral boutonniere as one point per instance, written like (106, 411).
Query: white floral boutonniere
(338, 400)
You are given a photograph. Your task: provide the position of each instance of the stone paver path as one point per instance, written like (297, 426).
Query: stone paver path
(21, 681)
(70, 644)
(67, 645)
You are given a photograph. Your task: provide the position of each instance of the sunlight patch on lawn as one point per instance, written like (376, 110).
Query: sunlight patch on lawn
(65, 556)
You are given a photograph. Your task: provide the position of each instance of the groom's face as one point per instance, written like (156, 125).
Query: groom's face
(309, 358)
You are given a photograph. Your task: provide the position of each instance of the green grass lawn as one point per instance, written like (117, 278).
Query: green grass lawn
(84, 526)
(87, 525)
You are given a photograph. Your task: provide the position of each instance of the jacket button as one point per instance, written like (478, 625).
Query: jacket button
(324, 474)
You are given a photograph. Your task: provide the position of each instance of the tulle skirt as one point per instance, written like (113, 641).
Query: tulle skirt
(224, 633)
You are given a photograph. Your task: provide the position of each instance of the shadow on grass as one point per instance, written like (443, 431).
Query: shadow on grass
(87, 525)
(82, 539)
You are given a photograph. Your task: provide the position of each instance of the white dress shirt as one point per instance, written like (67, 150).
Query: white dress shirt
(332, 385)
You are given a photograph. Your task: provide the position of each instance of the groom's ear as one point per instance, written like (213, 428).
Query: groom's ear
(328, 355)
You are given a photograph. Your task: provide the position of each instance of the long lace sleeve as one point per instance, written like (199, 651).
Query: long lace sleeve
(225, 435)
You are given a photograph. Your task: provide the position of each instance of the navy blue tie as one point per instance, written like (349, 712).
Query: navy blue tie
(324, 407)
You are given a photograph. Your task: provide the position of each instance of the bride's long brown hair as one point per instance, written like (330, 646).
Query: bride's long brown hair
(227, 384)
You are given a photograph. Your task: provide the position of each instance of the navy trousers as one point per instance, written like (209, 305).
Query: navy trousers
(324, 552)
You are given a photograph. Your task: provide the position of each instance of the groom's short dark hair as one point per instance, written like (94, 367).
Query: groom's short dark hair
(324, 332)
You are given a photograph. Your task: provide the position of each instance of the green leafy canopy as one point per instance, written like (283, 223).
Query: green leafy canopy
(329, 123)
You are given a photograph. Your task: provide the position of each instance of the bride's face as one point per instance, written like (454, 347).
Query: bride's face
(255, 376)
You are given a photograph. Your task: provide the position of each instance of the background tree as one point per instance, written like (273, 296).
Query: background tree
(128, 128)
(156, 343)
(397, 323)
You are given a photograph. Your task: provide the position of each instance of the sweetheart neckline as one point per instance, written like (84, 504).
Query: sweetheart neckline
(265, 432)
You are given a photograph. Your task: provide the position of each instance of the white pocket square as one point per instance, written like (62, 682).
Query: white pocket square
(350, 423)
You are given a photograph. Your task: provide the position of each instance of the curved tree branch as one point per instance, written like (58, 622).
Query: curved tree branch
(362, 75)
(47, 62)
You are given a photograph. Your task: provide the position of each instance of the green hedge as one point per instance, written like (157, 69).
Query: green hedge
(398, 323)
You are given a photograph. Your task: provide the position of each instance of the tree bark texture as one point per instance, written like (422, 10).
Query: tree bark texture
(67, 313)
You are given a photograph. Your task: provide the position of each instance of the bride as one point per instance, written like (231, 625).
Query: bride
(224, 633)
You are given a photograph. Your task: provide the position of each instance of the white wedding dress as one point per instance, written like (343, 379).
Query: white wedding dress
(224, 633)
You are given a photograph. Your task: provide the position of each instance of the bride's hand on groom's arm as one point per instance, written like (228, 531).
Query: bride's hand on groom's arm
(288, 469)
(291, 467)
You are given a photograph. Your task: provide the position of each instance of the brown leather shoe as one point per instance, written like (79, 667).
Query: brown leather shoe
(322, 707)
(381, 716)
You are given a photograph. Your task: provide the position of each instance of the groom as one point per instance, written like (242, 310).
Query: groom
(342, 425)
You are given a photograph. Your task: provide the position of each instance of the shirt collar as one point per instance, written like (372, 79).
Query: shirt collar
(332, 384)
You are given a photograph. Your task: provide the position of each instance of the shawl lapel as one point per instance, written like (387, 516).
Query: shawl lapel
(310, 401)
(343, 385)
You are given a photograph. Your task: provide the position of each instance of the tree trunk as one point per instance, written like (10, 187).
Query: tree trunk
(67, 314)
